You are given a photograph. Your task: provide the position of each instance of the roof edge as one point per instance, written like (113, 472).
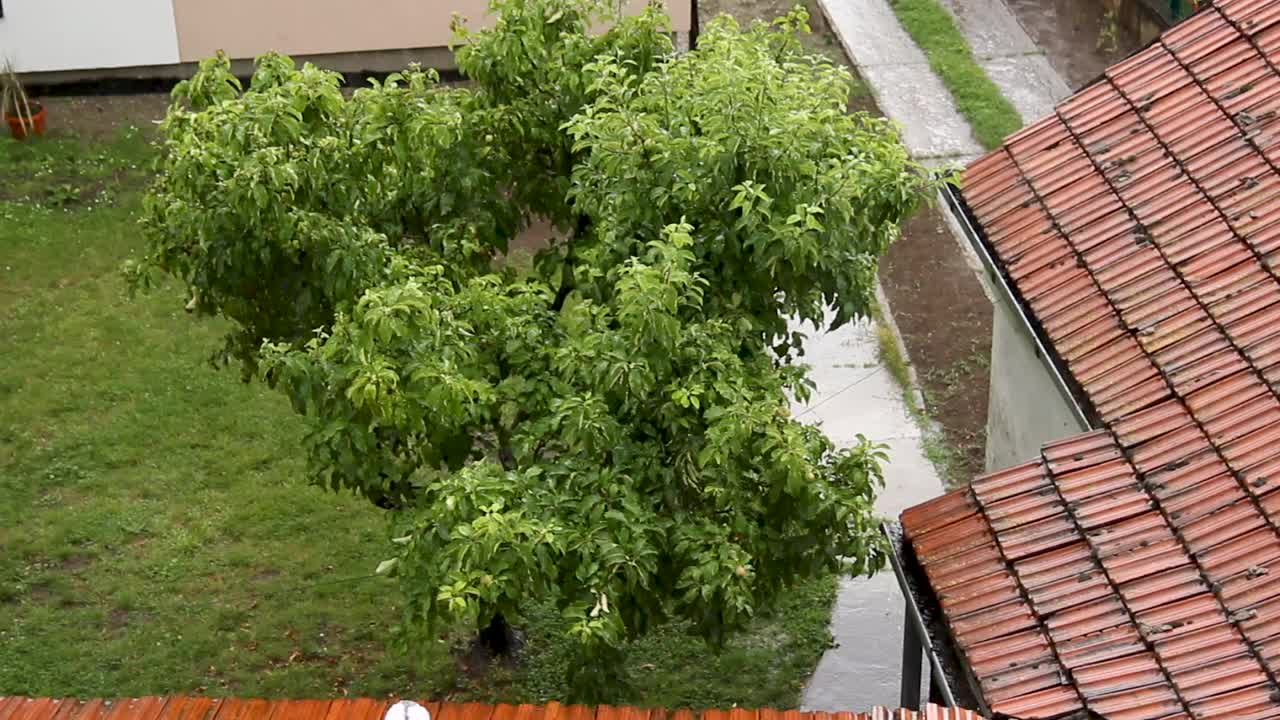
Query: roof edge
(1064, 382)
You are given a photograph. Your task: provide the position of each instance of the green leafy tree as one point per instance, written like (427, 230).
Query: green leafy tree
(606, 426)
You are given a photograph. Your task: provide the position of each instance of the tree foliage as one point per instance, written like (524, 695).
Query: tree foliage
(608, 426)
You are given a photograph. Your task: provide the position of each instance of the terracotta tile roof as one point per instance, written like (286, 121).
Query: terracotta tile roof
(1088, 580)
(1141, 221)
(1130, 570)
(203, 708)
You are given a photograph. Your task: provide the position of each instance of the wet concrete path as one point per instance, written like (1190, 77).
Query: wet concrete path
(898, 74)
(856, 394)
(1010, 58)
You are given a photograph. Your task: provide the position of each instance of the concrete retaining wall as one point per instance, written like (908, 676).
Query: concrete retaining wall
(1026, 407)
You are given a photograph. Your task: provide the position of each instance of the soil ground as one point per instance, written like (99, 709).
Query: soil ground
(1069, 32)
(98, 117)
(945, 321)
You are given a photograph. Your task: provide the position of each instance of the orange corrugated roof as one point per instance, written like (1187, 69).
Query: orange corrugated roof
(202, 708)
(1135, 570)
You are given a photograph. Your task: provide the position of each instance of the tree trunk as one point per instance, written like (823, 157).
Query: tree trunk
(567, 282)
(498, 637)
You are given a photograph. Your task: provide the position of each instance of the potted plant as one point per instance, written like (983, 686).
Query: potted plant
(24, 115)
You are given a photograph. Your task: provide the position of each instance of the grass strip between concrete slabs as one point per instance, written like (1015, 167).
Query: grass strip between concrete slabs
(988, 111)
(933, 441)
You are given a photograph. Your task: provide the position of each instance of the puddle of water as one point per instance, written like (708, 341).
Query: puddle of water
(1068, 32)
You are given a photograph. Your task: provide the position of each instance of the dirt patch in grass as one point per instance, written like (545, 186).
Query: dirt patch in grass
(945, 320)
(119, 619)
(99, 117)
(266, 574)
(477, 666)
(75, 561)
(39, 593)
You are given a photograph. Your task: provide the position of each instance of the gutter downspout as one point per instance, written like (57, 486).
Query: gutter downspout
(1062, 380)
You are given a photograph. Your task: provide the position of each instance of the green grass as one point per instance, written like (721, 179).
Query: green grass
(989, 113)
(893, 357)
(940, 453)
(157, 534)
(767, 667)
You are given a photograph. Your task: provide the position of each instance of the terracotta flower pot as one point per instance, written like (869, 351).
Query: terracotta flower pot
(20, 129)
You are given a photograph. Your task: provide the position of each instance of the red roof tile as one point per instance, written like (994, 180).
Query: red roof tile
(200, 708)
(1130, 570)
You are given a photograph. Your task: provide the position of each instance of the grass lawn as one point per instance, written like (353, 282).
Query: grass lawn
(157, 534)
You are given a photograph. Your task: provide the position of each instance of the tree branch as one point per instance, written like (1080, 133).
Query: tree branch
(567, 281)
(506, 455)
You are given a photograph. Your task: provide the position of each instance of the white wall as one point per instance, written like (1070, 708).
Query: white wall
(42, 35)
(1026, 408)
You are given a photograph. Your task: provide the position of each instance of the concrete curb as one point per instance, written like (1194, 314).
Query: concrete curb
(929, 427)
(913, 379)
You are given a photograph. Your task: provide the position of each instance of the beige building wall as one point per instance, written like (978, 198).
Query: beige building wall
(247, 28)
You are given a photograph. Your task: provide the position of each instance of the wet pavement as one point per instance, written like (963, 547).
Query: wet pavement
(904, 87)
(856, 394)
(1068, 32)
(1021, 70)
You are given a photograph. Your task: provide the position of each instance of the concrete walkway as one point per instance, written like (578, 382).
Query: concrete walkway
(906, 89)
(855, 394)
(1009, 56)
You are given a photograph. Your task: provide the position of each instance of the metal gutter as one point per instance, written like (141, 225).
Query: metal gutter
(1080, 407)
(915, 620)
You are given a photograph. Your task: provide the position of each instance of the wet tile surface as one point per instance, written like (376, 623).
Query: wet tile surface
(1131, 567)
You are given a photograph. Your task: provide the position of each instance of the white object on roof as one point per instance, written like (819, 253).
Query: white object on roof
(407, 710)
